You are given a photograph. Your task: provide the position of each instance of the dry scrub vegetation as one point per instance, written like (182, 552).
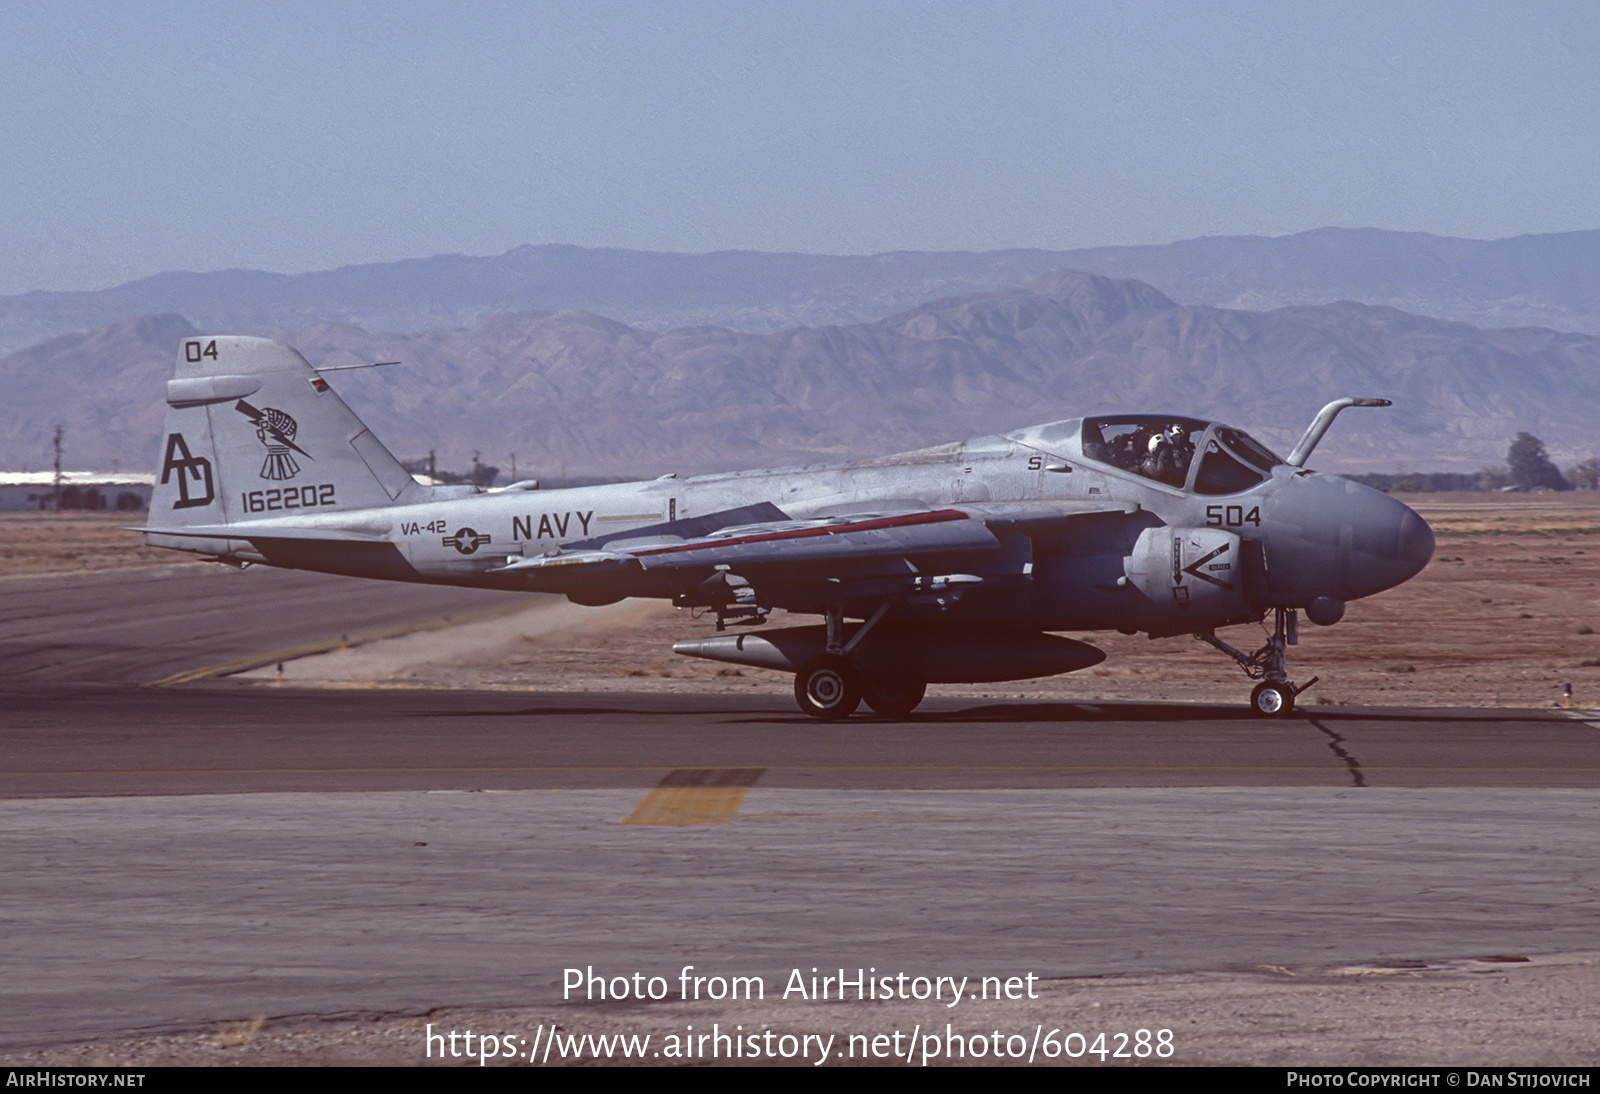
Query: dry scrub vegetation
(51, 543)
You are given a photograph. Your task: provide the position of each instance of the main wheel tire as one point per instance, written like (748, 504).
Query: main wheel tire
(1272, 700)
(894, 698)
(828, 687)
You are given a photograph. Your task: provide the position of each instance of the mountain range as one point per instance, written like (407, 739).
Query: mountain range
(572, 392)
(1537, 280)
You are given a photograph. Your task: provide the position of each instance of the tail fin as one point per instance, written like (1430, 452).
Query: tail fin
(253, 431)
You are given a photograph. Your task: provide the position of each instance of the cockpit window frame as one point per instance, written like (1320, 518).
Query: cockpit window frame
(1225, 452)
(1137, 446)
(1204, 439)
(1248, 448)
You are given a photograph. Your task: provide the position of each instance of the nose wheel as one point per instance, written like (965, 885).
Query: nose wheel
(1274, 697)
(1271, 699)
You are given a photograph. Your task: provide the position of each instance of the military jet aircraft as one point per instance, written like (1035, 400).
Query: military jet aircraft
(945, 565)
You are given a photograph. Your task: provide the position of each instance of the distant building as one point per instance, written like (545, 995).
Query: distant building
(81, 490)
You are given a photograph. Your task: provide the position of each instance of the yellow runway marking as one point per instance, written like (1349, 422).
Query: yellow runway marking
(696, 795)
(688, 805)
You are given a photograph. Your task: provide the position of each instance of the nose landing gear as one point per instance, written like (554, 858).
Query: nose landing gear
(1271, 699)
(1274, 697)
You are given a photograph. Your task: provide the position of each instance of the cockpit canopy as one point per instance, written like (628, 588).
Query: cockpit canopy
(1163, 448)
(1155, 447)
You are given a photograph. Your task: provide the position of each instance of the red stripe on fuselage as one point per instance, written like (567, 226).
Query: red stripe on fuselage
(938, 516)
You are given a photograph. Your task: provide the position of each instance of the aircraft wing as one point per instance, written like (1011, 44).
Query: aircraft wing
(777, 539)
(783, 541)
(1038, 516)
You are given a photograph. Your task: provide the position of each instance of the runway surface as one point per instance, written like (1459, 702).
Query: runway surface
(142, 626)
(228, 738)
(182, 854)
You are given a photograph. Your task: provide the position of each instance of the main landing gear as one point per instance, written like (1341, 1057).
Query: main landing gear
(828, 687)
(831, 686)
(1274, 697)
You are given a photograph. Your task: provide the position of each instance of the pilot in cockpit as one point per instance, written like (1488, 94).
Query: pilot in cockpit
(1169, 453)
(1160, 449)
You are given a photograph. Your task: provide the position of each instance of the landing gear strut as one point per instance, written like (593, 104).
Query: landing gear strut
(1274, 697)
(830, 686)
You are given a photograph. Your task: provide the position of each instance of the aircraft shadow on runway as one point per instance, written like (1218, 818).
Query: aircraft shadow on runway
(1018, 711)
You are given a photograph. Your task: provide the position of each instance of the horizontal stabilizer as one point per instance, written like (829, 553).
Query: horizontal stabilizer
(255, 532)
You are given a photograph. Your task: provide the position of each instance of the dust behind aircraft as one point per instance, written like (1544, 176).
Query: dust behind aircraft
(950, 564)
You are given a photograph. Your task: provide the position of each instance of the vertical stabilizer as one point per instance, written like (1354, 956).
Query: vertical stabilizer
(253, 431)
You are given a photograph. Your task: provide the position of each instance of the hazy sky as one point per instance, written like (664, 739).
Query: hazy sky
(286, 136)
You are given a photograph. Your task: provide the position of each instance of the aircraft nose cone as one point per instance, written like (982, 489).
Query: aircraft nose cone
(1416, 542)
(1389, 545)
(1332, 537)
